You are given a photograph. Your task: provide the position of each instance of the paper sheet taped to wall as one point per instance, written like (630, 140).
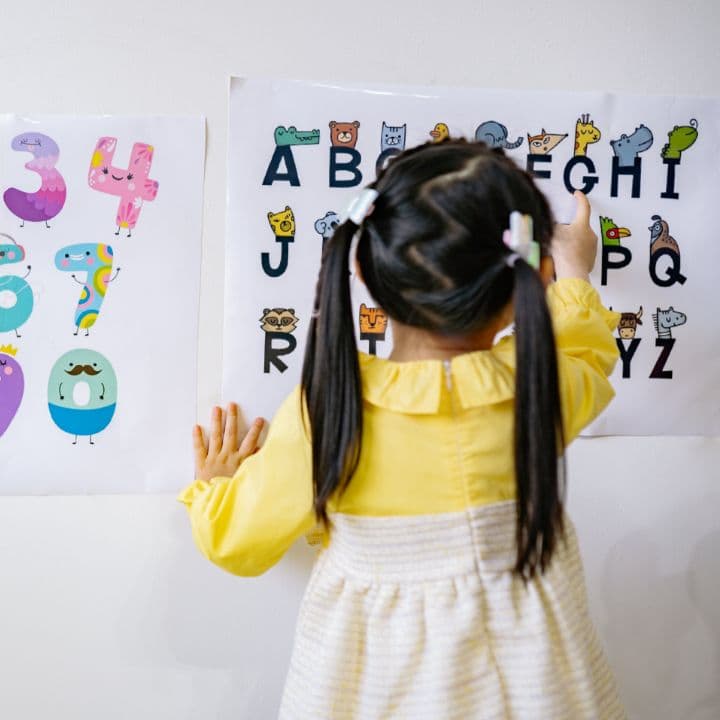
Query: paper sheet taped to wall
(650, 166)
(99, 282)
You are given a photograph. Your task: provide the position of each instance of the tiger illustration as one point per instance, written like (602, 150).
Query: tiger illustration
(373, 321)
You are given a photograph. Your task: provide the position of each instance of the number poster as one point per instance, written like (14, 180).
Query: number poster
(299, 151)
(100, 229)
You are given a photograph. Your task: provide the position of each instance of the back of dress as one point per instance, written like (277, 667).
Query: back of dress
(413, 610)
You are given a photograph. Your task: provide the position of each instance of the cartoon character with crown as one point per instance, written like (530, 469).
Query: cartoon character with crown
(12, 386)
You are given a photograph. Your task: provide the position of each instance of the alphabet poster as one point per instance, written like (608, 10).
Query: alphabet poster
(650, 166)
(100, 236)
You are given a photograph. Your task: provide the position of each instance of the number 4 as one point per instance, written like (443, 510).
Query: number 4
(131, 185)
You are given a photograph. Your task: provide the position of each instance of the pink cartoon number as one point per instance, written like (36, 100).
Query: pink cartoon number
(132, 185)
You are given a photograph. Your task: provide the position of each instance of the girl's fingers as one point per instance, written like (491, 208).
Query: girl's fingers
(243, 426)
(199, 444)
(216, 431)
(230, 440)
(250, 441)
(582, 211)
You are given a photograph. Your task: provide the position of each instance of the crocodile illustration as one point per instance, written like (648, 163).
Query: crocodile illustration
(292, 136)
(680, 138)
(627, 148)
(494, 135)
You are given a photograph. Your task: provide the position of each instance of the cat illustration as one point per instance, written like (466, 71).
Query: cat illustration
(545, 142)
(283, 222)
(393, 137)
(279, 320)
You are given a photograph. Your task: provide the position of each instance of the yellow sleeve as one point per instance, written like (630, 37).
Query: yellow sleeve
(586, 349)
(245, 523)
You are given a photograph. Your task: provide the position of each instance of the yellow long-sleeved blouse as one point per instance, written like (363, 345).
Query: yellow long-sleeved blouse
(436, 438)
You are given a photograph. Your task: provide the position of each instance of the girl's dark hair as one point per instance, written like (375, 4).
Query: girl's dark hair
(432, 256)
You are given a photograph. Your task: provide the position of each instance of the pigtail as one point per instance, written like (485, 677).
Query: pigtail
(538, 426)
(331, 381)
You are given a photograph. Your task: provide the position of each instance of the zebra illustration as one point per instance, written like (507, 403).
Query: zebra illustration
(665, 320)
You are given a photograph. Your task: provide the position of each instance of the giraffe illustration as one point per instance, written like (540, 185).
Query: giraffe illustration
(96, 259)
(585, 134)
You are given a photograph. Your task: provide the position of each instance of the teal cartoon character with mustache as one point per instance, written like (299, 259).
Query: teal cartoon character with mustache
(82, 393)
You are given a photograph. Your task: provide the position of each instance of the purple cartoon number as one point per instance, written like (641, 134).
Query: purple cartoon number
(12, 386)
(45, 203)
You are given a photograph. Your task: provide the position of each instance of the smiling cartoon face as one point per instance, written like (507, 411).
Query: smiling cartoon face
(588, 132)
(10, 252)
(629, 322)
(83, 256)
(131, 183)
(344, 134)
(393, 137)
(36, 143)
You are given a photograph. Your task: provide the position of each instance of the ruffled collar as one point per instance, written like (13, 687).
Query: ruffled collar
(483, 377)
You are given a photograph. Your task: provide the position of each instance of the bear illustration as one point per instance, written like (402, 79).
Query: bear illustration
(344, 134)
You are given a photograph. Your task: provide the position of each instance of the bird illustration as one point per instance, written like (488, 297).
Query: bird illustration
(440, 132)
(610, 233)
(660, 237)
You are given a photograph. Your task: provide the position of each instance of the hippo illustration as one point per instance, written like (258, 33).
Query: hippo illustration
(627, 148)
(680, 139)
(495, 135)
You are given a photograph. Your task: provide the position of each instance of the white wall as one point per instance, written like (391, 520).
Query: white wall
(106, 610)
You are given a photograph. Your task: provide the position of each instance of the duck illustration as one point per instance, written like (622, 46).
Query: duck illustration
(440, 132)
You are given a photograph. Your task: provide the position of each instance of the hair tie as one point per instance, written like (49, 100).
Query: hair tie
(360, 207)
(519, 238)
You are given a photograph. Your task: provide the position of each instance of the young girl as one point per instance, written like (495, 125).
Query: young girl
(450, 584)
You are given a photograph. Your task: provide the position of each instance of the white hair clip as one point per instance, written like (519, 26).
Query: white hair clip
(360, 207)
(519, 238)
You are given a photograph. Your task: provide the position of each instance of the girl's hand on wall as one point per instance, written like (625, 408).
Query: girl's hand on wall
(574, 246)
(223, 453)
